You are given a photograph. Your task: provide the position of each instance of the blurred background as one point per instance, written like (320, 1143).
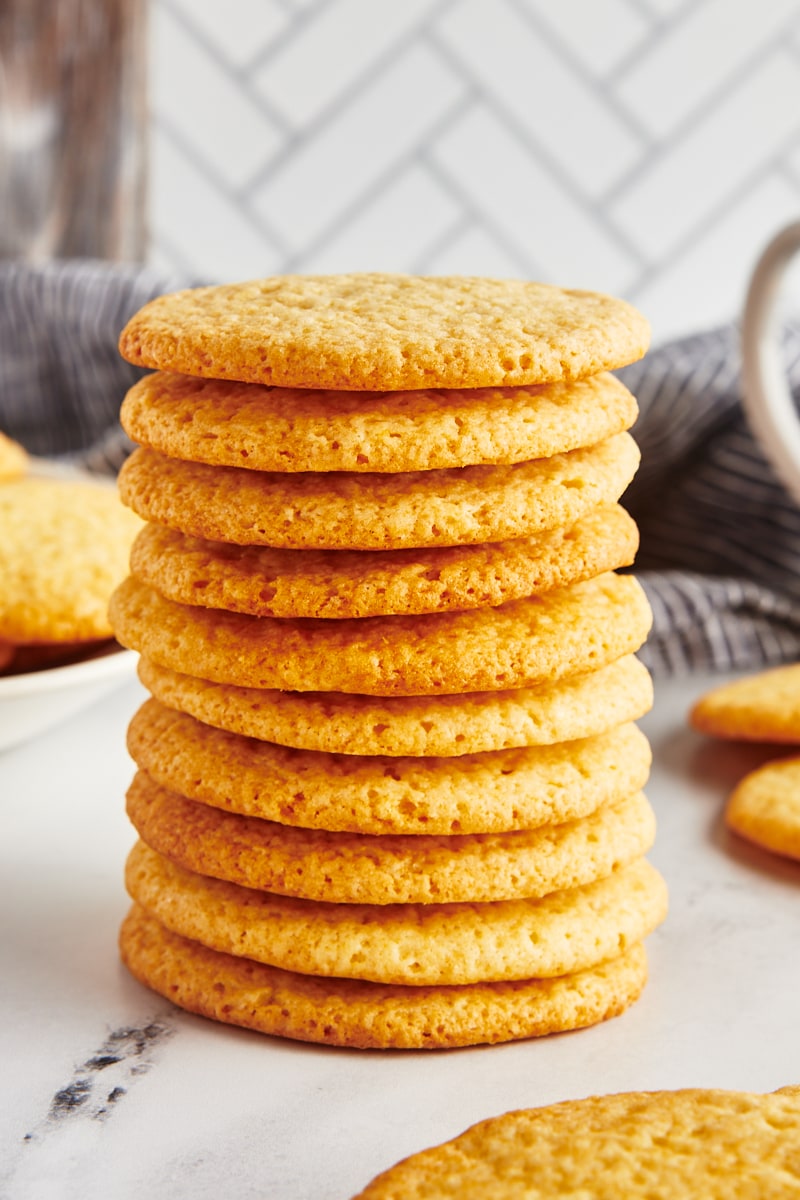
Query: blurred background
(648, 148)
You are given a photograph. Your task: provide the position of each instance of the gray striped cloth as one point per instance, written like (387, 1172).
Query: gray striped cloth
(720, 552)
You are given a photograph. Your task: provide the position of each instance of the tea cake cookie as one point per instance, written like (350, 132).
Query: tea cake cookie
(419, 725)
(493, 792)
(355, 868)
(64, 548)
(765, 807)
(363, 1015)
(381, 331)
(369, 583)
(519, 644)
(757, 708)
(6, 654)
(224, 423)
(696, 1142)
(13, 459)
(341, 510)
(404, 943)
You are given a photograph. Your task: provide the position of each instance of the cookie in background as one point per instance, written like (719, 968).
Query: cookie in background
(65, 546)
(13, 458)
(764, 807)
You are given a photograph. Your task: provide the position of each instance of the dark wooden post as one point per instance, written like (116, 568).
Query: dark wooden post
(72, 129)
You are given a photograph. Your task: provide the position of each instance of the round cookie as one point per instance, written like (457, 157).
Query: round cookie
(64, 548)
(494, 792)
(765, 807)
(519, 644)
(355, 868)
(405, 943)
(264, 582)
(757, 708)
(13, 459)
(418, 725)
(224, 423)
(363, 1015)
(638, 1145)
(340, 510)
(383, 331)
(7, 651)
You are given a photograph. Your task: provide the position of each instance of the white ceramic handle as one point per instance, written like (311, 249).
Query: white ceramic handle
(768, 402)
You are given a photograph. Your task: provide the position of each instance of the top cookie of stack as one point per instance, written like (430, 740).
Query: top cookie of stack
(382, 523)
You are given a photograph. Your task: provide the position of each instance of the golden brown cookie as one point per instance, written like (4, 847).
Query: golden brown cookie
(356, 868)
(419, 725)
(638, 1145)
(369, 583)
(64, 548)
(519, 644)
(765, 807)
(224, 423)
(494, 792)
(13, 459)
(340, 510)
(355, 1013)
(405, 943)
(382, 331)
(757, 708)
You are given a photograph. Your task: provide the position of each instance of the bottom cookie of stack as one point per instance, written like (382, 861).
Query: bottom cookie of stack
(352, 1012)
(399, 975)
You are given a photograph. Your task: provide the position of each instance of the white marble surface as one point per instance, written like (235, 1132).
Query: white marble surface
(199, 1110)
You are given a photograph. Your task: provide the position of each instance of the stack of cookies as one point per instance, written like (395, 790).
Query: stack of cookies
(389, 781)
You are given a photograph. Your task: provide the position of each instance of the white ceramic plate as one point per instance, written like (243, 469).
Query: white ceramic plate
(34, 702)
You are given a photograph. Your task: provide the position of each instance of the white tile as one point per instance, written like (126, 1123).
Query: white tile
(713, 160)
(330, 53)
(517, 194)
(238, 29)
(599, 35)
(207, 231)
(553, 102)
(475, 252)
(392, 231)
(702, 51)
(198, 98)
(379, 127)
(705, 286)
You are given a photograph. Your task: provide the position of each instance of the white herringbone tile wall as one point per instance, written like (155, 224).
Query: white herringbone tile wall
(643, 147)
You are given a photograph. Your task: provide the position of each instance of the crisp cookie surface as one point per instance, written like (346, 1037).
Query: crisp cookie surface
(340, 510)
(356, 1013)
(699, 1142)
(765, 807)
(368, 583)
(760, 708)
(382, 331)
(13, 459)
(441, 725)
(224, 423)
(405, 943)
(354, 868)
(63, 550)
(494, 792)
(525, 642)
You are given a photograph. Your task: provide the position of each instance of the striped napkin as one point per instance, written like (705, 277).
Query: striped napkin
(720, 552)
